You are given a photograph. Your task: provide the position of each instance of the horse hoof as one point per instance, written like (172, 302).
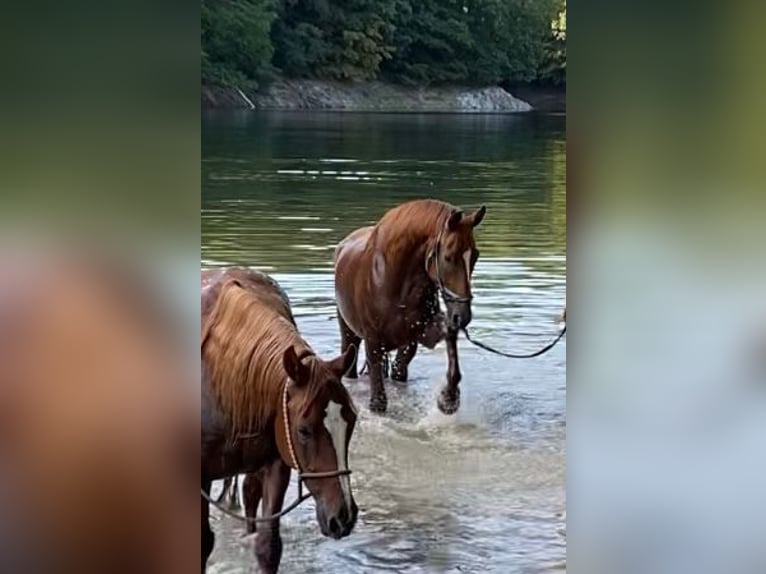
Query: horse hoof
(448, 403)
(378, 404)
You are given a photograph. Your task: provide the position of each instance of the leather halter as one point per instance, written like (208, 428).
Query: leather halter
(294, 458)
(447, 294)
(294, 464)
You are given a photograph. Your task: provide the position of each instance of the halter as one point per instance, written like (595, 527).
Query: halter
(447, 294)
(294, 464)
(450, 296)
(294, 459)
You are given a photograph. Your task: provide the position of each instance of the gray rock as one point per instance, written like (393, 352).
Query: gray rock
(376, 96)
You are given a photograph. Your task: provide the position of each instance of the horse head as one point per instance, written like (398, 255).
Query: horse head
(314, 431)
(450, 263)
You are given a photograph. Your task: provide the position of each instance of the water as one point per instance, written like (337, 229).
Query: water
(481, 491)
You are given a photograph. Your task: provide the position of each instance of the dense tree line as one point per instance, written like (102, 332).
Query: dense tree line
(421, 42)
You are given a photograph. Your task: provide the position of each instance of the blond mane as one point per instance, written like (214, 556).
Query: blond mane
(243, 342)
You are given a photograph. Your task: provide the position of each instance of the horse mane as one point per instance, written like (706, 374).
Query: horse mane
(411, 223)
(243, 342)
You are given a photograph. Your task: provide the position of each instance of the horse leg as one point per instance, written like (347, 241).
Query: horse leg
(403, 357)
(268, 541)
(208, 538)
(449, 398)
(348, 338)
(378, 400)
(224, 490)
(234, 492)
(252, 491)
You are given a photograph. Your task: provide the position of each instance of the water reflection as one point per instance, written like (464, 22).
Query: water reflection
(482, 491)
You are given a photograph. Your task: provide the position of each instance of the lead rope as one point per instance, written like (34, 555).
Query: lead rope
(448, 295)
(294, 460)
(545, 349)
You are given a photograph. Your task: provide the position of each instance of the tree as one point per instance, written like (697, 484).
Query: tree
(469, 41)
(421, 42)
(236, 46)
(431, 42)
(554, 66)
(332, 39)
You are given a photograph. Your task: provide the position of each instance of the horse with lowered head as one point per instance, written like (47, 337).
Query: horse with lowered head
(388, 278)
(269, 404)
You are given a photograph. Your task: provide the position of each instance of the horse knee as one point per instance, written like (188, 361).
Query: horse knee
(268, 550)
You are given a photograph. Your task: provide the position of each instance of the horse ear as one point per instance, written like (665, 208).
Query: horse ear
(342, 364)
(478, 216)
(296, 370)
(454, 220)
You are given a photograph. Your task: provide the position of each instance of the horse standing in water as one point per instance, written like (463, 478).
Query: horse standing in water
(387, 281)
(270, 404)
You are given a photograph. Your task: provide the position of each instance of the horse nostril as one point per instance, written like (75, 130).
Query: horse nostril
(339, 522)
(336, 529)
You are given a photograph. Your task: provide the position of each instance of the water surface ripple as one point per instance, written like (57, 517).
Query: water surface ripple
(481, 491)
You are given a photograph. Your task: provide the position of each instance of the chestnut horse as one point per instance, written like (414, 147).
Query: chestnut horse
(270, 404)
(387, 281)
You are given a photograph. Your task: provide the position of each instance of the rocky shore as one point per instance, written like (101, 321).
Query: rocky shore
(364, 97)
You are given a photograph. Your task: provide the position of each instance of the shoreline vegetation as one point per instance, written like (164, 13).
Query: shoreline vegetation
(387, 55)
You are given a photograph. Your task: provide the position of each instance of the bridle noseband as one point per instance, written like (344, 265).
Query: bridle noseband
(294, 464)
(294, 458)
(447, 294)
(450, 296)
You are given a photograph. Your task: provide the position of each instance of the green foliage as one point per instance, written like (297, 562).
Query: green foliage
(332, 39)
(554, 66)
(236, 47)
(419, 42)
(469, 41)
(430, 40)
(510, 38)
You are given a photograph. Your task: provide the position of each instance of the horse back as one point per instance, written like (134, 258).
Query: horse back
(262, 286)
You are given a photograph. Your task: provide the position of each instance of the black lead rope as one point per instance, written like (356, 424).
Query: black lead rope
(258, 519)
(448, 296)
(545, 349)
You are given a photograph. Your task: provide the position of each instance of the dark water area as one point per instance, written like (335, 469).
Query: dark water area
(480, 491)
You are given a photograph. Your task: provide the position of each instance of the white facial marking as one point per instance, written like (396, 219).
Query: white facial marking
(467, 259)
(336, 425)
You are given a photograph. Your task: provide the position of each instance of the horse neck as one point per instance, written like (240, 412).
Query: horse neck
(407, 262)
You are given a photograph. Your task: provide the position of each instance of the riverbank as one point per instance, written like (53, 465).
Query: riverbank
(364, 97)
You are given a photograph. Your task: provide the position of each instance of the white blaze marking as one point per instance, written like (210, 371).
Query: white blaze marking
(336, 425)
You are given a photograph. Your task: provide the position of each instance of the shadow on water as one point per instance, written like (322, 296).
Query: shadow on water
(482, 491)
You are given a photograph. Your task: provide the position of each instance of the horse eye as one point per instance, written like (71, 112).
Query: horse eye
(304, 432)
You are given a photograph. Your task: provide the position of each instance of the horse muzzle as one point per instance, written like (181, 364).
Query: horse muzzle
(340, 523)
(458, 316)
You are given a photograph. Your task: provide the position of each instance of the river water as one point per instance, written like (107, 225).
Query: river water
(480, 491)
